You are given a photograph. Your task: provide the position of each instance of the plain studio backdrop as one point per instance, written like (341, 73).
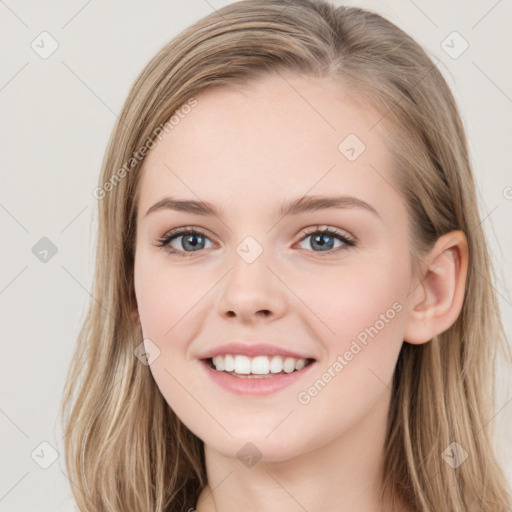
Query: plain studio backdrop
(66, 70)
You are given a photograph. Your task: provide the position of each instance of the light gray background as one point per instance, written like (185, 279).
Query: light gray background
(57, 115)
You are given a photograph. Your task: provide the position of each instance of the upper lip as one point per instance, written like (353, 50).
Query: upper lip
(251, 350)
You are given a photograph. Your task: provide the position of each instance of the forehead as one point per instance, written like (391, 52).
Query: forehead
(280, 136)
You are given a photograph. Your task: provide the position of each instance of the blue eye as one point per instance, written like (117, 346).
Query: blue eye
(324, 238)
(193, 240)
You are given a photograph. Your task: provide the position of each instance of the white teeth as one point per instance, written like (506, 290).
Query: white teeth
(259, 365)
(300, 364)
(289, 365)
(242, 365)
(218, 361)
(229, 363)
(276, 364)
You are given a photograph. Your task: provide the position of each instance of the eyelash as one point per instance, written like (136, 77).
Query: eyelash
(168, 237)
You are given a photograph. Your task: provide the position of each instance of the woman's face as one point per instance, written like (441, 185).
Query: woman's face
(251, 274)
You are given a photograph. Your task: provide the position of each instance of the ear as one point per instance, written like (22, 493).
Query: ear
(437, 300)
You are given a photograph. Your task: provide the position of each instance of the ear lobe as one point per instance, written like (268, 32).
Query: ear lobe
(437, 301)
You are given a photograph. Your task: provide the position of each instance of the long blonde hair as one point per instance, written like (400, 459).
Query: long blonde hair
(125, 448)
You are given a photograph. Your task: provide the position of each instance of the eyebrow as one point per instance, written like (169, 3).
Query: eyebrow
(294, 207)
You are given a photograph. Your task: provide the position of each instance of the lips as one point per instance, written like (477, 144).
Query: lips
(252, 350)
(250, 383)
(255, 385)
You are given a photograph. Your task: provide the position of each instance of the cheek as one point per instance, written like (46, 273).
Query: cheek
(170, 310)
(361, 314)
(351, 299)
(165, 297)
(364, 311)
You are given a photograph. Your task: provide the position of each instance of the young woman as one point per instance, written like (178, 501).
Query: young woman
(293, 294)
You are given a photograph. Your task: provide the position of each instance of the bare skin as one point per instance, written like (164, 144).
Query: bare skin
(247, 151)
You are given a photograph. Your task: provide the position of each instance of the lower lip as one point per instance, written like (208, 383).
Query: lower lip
(255, 386)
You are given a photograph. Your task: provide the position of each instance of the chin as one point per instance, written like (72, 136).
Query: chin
(252, 447)
(250, 453)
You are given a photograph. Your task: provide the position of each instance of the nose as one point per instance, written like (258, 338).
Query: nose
(252, 292)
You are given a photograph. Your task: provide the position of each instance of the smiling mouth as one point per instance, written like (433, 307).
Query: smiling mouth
(272, 367)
